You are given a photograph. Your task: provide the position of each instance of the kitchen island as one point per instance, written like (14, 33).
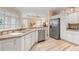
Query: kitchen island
(19, 41)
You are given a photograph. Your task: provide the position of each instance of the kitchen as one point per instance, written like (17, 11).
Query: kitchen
(39, 28)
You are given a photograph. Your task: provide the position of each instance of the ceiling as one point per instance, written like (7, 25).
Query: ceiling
(38, 11)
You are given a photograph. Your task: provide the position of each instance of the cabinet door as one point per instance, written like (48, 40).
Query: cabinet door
(0, 46)
(33, 38)
(27, 42)
(8, 45)
(36, 36)
(20, 44)
(69, 36)
(76, 38)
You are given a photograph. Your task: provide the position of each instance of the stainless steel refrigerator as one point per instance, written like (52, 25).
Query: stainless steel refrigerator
(54, 28)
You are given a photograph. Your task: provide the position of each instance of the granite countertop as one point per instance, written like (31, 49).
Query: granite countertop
(18, 34)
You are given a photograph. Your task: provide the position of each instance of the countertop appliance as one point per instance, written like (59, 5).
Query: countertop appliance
(54, 28)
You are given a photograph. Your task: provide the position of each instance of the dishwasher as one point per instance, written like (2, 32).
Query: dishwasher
(41, 35)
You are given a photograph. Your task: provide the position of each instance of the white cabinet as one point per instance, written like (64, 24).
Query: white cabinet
(72, 36)
(0, 46)
(76, 37)
(20, 43)
(30, 40)
(36, 36)
(14, 44)
(64, 36)
(69, 36)
(8, 45)
(27, 42)
(33, 38)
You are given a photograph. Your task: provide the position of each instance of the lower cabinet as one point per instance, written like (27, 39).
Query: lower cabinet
(30, 40)
(72, 36)
(36, 36)
(20, 44)
(76, 38)
(69, 36)
(27, 42)
(33, 38)
(23, 43)
(14, 44)
(0, 46)
(8, 45)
